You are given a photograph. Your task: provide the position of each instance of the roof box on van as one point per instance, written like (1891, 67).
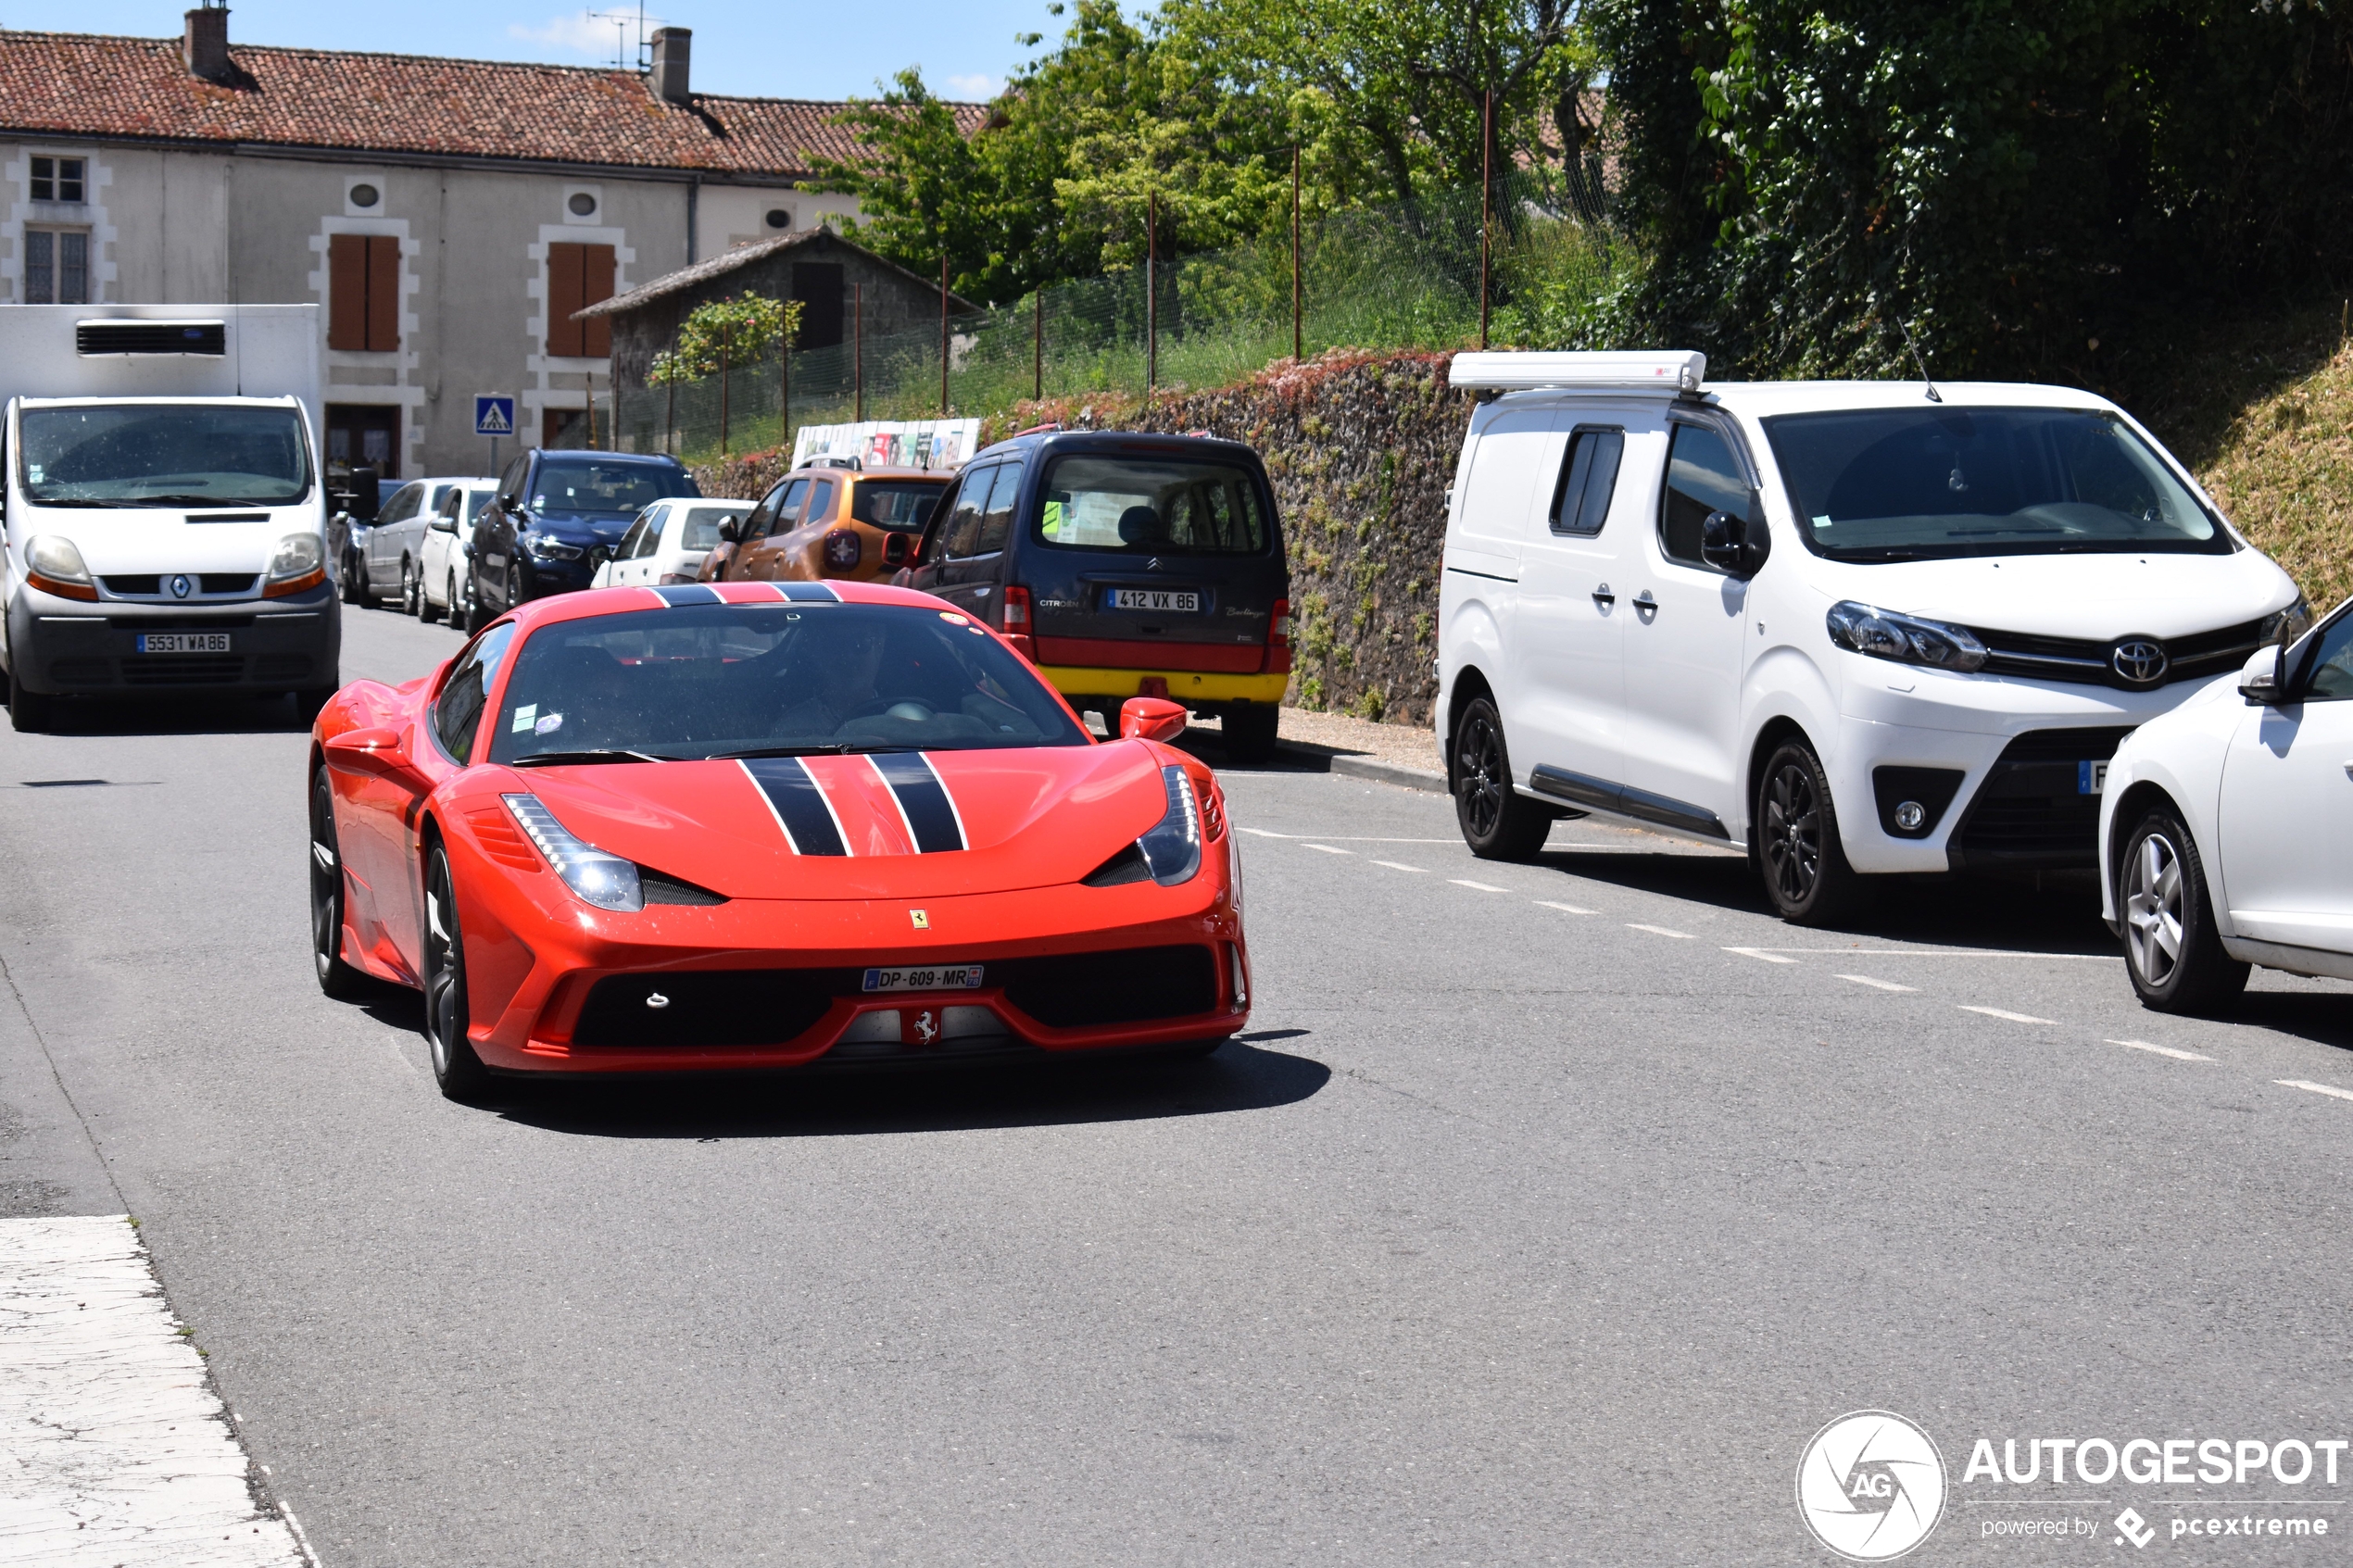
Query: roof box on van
(1671, 370)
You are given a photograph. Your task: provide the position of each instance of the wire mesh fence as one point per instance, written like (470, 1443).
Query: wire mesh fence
(1391, 277)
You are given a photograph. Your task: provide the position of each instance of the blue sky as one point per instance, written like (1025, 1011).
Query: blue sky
(964, 46)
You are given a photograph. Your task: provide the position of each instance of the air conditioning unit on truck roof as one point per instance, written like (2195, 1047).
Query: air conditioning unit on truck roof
(165, 504)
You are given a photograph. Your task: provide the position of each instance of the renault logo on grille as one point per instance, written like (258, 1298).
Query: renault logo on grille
(2139, 661)
(180, 586)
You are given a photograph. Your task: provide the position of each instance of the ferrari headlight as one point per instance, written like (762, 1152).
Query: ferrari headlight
(1173, 846)
(607, 881)
(1906, 639)
(2286, 625)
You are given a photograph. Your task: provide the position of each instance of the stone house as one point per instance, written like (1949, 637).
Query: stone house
(453, 215)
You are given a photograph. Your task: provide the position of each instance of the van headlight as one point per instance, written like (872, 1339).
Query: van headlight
(1172, 846)
(298, 564)
(2286, 625)
(53, 564)
(607, 881)
(1907, 639)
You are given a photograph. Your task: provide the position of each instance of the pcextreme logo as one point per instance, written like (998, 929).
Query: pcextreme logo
(1870, 1486)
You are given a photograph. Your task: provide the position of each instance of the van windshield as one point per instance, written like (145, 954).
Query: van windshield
(164, 454)
(1155, 506)
(1883, 484)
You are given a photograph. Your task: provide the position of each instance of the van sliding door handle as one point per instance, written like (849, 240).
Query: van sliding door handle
(1643, 601)
(1603, 597)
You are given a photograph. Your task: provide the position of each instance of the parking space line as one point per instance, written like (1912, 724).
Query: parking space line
(2161, 1050)
(1767, 954)
(1657, 930)
(1934, 953)
(1565, 908)
(2332, 1092)
(1479, 887)
(1328, 849)
(1877, 985)
(2005, 1014)
(1397, 866)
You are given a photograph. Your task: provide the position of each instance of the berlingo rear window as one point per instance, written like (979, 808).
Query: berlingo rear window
(1152, 506)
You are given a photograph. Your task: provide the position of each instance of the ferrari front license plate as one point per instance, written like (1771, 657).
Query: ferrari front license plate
(937, 977)
(1182, 603)
(183, 642)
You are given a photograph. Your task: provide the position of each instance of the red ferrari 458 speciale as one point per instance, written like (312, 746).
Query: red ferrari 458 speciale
(766, 825)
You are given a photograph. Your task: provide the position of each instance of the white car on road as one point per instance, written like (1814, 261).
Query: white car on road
(667, 543)
(441, 572)
(2225, 825)
(1857, 628)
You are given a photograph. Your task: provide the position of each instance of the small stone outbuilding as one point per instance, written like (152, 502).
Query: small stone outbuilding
(826, 272)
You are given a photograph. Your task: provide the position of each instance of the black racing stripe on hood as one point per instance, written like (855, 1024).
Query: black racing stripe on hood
(799, 805)
(931, 815)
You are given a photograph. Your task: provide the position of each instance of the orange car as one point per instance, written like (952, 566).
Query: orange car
(829, 522)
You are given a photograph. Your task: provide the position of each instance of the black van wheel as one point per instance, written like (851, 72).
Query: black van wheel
(1250, 732)
(30, 712)
(1498, 823)
(1797, 850)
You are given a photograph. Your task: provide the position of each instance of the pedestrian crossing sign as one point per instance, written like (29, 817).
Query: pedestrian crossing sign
(494, 415)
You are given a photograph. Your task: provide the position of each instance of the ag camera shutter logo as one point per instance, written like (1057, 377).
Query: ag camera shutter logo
(1870, 1486)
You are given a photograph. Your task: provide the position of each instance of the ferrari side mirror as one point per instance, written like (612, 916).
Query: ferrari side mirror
(376, 754)
(1150, 717)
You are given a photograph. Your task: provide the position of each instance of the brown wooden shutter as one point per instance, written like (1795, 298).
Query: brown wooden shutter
(384, 293)
(596, 286)
(348, 292)
(564, 265)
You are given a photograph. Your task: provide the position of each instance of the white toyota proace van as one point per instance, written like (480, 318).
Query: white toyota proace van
(1857, 628)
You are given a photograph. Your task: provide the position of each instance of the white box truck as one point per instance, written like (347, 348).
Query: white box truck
(164, 507)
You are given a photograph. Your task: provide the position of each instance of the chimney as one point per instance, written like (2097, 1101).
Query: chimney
(672, 46)
(205, 46)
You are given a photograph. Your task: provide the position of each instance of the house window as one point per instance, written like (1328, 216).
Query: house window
(363, 292)
(57, 265)
(56, 179)
(578, 276)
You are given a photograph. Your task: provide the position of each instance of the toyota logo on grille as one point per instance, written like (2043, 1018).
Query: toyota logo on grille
(2139, 661)
(180, 586)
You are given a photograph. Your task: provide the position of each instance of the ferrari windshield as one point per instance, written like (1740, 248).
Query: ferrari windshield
(164, 454)
(1911, 483)
(715, 679)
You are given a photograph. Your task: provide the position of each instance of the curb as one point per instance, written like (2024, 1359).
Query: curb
(1428, 779)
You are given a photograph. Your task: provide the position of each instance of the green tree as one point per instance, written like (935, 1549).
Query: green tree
(726, 332)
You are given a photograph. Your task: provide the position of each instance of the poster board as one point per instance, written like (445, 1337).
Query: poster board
(903, 444)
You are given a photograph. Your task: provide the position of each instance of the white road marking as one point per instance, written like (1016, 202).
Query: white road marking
(2160, 1050)
(2011, 1017)
(1933, 953)
(118, 1451)
(1262, 832)
(1398, 866)
(1877, 985)
(1565, 908)
(1479, 887)
(1767, 954)
(1348, 837)
(2315, 1088)
(1328, 849)
(1657, 930)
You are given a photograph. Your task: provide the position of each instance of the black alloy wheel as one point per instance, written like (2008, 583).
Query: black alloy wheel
(1797, 848)
(2171, 947)
(456, 1068)
(355, 579)
(474, 618)
(336, 978)
(1498, 823)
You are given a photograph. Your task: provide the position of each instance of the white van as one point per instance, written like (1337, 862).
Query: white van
(163, 512)
(1857, 628)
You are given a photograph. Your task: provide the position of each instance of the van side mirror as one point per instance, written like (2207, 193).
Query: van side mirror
(895, 550)
(1734, 544)
(2264, 681)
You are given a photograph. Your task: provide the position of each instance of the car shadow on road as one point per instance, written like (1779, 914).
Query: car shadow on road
(2054, 913)
(2321, 1017)
(175, 716)
(1242, 1076)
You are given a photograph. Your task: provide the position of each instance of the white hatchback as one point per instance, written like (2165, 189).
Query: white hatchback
(667, 543)
(2223, 823)
(442, 577)
(1855, 628)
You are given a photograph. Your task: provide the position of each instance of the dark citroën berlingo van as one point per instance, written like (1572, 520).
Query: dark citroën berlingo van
(1126, 565)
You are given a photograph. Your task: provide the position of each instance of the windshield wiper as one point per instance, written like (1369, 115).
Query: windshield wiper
(74, 501)
(830, 748)
(597, 754)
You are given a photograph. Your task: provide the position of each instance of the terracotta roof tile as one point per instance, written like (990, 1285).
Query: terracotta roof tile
(83, 84)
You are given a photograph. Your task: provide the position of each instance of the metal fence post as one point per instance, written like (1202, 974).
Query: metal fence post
(857, 351)
(1151, 290)
(588, 389)
(1037, 347)
(1298, 338)
(1486, 200)
(943, 334)
(724, 379)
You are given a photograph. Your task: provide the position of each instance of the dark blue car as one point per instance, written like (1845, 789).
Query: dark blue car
(555, 519)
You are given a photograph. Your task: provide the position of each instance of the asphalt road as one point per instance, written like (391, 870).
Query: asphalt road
(1544, 1214)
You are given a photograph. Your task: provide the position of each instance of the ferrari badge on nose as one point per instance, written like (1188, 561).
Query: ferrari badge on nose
(923, 920)
(920, 1028)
